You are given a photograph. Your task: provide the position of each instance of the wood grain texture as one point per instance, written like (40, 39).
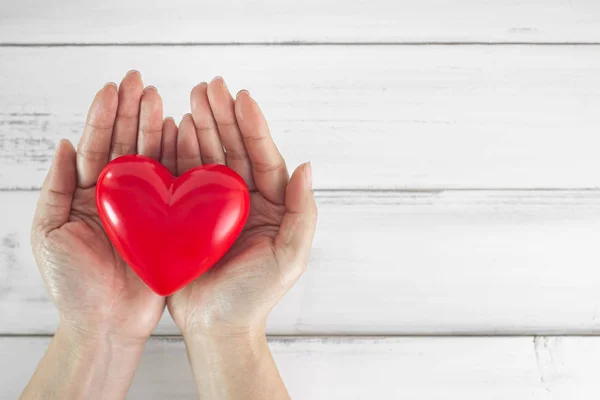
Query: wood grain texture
(314, 21)
(369, 117)
(448, 262)
(520, 368)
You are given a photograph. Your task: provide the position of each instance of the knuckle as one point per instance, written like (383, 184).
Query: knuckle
(120, 148)
(257, 138)
(168, 158)
(91, 155)
(227, 126)
(212, 159)
(127, 117)
(151, 131)
(203, 125)
(265, 167)
(188, 157)
(236, 155)
(92, 125)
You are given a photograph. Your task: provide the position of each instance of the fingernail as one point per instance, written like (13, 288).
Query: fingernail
(61, 143)
(58, 146)
(242, 91)
(218, 79)
(308, 175)
(110, 84)
(150, 87)
(133, 71)
(171, 118)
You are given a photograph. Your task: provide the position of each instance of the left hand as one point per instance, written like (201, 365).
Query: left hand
(95, 292)
(106, 312)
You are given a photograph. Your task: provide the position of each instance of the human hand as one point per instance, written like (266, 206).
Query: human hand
(97, 295)
(236, 295)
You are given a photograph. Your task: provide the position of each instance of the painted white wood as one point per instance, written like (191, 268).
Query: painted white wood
(367, 116)
(451, 262)
(276, 21)
(519, 368)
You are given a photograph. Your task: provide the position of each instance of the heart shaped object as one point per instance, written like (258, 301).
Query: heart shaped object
(170, 230)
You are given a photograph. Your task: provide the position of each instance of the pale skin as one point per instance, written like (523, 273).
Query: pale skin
(106, 312)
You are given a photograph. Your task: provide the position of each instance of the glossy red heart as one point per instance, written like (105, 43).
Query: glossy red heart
(170, 230)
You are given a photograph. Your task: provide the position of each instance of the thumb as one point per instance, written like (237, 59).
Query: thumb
(294, 240)
(54, 206)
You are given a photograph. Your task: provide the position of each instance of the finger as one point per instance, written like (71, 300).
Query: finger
(54, 206)
(188, 149)
(211, 148)
(168, 147)
(94, 146)
(150, 125)
(294, 240)
(223, 109)
(268, 167)
(124, 140)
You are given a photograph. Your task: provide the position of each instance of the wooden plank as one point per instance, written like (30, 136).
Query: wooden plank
(314, 21)
(390, 117)
(449, 262)
(365, 368)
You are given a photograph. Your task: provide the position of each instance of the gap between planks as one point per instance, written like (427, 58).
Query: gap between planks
(347, 338)
(292, 43)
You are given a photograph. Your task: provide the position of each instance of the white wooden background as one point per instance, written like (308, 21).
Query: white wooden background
(455, 151)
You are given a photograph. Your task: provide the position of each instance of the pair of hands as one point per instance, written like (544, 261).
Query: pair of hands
(98, 296)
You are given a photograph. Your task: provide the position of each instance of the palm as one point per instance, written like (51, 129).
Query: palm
(258, 234)
(246, 276)
(97, 280)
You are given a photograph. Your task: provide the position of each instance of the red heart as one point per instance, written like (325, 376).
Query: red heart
(170, 230)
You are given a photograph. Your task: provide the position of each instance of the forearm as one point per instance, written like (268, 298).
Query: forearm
(233, 368)
(77, 366)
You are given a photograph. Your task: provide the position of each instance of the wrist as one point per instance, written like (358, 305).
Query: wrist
(83, 338)
(211, 351)
(222, 330)
(248, 338)
(84, 365)
(102, 352)
(235, 366)
(95, 364)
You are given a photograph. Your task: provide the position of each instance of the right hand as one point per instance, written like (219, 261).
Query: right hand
(237, 294)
